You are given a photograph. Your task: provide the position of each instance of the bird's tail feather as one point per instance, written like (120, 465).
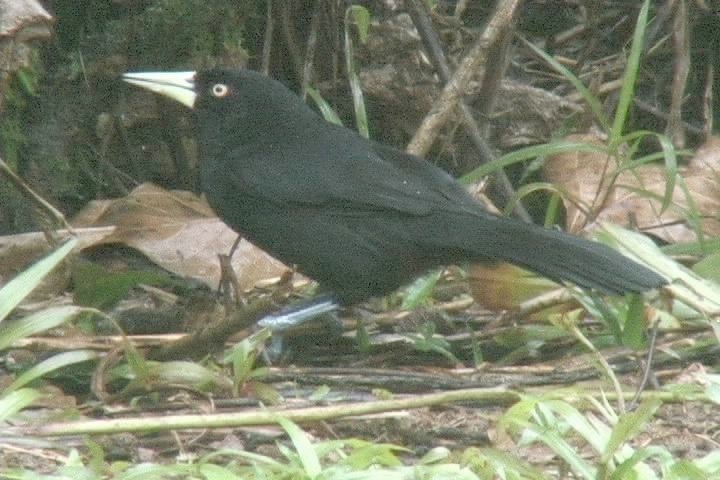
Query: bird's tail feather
(562, 257)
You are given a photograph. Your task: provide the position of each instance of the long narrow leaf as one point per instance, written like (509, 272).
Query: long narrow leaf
(325, 109)
(629, 425)
(303, 447)
(631, 73)
(668, 154)
(634, 462)
(37, 322)
(564, 450)
(50, 365)
(16, 401)
(587, 95)
(420, 290)
(362, 18)
(20, 287)
(528, 153)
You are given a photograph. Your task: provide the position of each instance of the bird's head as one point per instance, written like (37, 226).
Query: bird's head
(221, 93)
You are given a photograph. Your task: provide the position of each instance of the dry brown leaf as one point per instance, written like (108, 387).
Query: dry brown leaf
(580, 175)
(502, 286)
(178, 231)
(635, 199)
(21, 23)
(24, 19)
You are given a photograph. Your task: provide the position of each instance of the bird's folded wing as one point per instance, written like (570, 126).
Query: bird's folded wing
(352, 176)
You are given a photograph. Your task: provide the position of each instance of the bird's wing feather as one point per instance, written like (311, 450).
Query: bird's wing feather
(363, 176)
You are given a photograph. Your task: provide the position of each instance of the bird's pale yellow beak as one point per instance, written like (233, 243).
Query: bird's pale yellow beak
(180, 86)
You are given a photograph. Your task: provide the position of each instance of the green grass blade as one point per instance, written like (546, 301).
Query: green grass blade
(564, 450)
(526, 190)
(420, 290)
(631, 73)
(20, 287)
(635, 462)
(361, 17)
(303, 447)
(16, 401)
(216, 472)
(628, 426)
(669, 156)
(529, 153)
(37, 322)
(592, 100)
(325, 109)
(634, 334)
(50, 365)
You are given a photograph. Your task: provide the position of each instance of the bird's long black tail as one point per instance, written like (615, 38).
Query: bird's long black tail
(560, 256)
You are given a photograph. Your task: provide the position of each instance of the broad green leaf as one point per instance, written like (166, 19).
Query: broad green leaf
(362, 18)
(634, 328)
(420, 290)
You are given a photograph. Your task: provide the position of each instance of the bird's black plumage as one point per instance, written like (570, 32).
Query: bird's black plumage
(359, 217)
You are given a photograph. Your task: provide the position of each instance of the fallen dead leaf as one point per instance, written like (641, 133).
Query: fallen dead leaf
(635, 198)
(503, 286)
(178, 231)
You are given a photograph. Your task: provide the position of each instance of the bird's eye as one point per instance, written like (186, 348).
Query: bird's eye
(219, 90)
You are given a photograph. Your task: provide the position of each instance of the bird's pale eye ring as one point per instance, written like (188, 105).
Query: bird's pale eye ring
(219, 90)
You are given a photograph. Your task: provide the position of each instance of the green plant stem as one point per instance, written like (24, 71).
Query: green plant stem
(607, 369)
(492, 396)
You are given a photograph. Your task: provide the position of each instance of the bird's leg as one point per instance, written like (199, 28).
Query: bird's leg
(320, 308)
(299, 313)
(229, 286)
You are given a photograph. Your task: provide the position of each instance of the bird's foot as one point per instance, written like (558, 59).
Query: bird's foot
(299, 313)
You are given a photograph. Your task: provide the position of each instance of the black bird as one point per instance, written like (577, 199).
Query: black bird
(359, 217)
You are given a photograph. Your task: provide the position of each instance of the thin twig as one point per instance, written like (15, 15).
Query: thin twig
(441, 111)
(213, 336)
(291, 42)
(268, 40)
(430, 39)
(708, 97)
(42, 205)
(681, 69)
(647, 371)
(646, 107)
(309, 59)
(269, 416)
